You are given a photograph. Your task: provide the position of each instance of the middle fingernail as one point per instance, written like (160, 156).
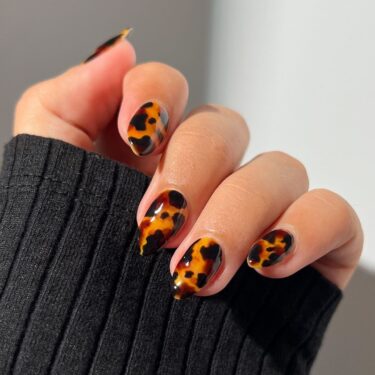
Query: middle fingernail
(148, 128)
(163, 219)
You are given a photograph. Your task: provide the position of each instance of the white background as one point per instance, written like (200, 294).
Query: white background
(301, 72)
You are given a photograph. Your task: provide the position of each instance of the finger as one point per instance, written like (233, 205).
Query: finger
(76, 105)
(203, 150)
(154, 99)
(245, 203)
(112, 146)
(319, 228)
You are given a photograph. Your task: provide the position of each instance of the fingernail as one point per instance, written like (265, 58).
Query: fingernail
(147, 128)
(270, 249)
(196, 267)
(109, 43)
(163, 219)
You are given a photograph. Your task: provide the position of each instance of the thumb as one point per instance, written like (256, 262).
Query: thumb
(78, 104)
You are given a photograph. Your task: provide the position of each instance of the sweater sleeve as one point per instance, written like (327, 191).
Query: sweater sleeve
(77, 298)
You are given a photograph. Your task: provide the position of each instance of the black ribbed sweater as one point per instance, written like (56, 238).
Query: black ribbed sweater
(77, 298)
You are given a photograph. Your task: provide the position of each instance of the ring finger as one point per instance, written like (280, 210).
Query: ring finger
(243, 205)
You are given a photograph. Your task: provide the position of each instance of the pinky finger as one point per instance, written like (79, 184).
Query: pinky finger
(319, 228)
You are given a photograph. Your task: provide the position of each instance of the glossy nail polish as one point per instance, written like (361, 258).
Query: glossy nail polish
(147, 128)
(109, 43)
(163, 219)
(196, 267)
(270, 249)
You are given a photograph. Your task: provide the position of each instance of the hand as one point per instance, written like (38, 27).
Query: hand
(216, 213)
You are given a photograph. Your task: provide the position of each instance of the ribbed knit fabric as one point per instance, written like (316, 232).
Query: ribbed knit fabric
(77, 298)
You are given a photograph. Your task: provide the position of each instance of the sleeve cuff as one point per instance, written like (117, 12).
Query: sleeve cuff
(77, 296)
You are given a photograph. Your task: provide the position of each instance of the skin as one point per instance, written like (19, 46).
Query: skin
(200, 157)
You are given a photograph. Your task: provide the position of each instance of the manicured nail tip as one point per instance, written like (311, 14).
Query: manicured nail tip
(199, 263)
(178, 294)
(270, 249)
(163, 219)
(109, 43)
(148, 128)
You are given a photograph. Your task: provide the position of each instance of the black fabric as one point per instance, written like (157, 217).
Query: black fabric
(77, 298)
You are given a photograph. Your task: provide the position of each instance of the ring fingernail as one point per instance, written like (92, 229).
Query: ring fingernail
(270, 249)
(147, 128)
(196, 267)
(109, 43)
(163, 219)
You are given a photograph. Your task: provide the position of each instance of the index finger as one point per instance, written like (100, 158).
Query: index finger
(78, 105)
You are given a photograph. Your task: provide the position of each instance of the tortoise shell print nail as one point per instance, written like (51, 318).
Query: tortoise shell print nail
(163, 219)
(147, 128)
(109, 43)
(196, 267)
(270, 249)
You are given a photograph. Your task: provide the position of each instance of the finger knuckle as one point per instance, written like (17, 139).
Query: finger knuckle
(31, 104)
(28, 97)
(213, 143)
(290, 161)
(347, 216)
(36, 94)
(224, 125)
(344, 211)
(230, 112)
(234, 118)
(332, 198)
(241, 190)
(163, 69)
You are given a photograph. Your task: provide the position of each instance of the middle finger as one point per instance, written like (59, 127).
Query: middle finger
(204, 149)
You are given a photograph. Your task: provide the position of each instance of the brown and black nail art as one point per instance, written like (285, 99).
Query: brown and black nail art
(147, 128)
(109, 43)
(196, 267)
(163, 219)
(270, 249)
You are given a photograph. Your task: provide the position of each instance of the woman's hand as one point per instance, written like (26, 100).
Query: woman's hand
(216, 213)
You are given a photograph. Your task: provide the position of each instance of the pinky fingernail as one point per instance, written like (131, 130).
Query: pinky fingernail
(270, 249)
(109, 43)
